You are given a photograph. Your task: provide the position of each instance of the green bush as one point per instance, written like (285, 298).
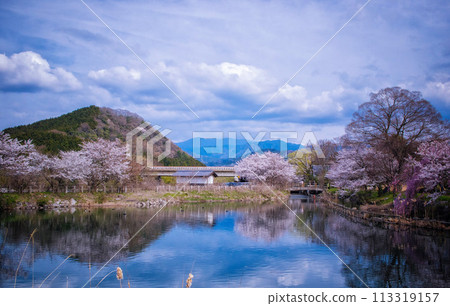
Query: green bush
(170, 180)
(8, 200)
(42, 202)
(100, 197)
(333, 190)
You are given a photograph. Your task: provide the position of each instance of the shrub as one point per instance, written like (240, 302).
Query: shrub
(100, 197)
(7, 200)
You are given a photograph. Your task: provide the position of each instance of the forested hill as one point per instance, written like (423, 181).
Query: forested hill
(67, 132)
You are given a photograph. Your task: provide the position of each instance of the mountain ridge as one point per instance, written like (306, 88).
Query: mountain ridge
(243, 148)
(68, 131)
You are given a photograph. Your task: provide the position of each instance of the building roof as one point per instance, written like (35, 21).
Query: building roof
(199, 173)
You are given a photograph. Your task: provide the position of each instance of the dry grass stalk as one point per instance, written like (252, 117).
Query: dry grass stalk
(23, 254)
(189, 280)
(90, 279)
(119, 275)
(4, 239)
(104, 278)
(32, 261)
(55, 269)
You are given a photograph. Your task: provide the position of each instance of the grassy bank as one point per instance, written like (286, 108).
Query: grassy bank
(46, 199)
(377, 209)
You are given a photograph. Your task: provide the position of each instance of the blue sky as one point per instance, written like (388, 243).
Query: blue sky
(224, 59)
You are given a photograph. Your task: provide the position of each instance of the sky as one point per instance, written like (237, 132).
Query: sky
(192, 66)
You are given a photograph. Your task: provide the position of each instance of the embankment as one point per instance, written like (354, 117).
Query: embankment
(386, 220)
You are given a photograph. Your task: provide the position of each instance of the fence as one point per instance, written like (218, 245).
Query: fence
(131, 188)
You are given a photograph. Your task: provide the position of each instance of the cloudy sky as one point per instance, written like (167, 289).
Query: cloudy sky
(222, 59)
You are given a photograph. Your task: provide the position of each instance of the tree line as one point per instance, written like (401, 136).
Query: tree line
(395, 143)
(96, 164)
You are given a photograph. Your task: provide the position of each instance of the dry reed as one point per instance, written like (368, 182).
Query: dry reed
(189, 280)
(119, 275)
(4, 239)
(104, 278)
(55, 269)
(23, 254)
(90, 279)
(32, 262)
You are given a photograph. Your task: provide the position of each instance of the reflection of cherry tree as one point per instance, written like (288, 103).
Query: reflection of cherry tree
(381, 257)
(87, 235)
(269, 167)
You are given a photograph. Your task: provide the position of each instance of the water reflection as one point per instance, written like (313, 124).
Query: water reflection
(223, 245)
(382, 257)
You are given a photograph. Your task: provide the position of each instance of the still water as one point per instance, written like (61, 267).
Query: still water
(222, 245)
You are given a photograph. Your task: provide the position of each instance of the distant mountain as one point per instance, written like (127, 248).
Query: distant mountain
(243, 148)
(67, 132)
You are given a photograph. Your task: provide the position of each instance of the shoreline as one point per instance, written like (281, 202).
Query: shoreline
(389, 221)
(140, 199)
(157, 199)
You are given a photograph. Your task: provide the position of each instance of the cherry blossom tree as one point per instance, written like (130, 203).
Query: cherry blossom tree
(107, 162)
(433, 165)
(349, 170)
(19, 162)
(73, 166)
(269, 167)
(68, 168)
(395, 121)
(429, 171)
(359, 167)
(97, 163)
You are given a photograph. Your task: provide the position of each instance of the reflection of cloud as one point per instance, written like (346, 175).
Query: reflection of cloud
(268, 224)
(222, 255)
(292, 280)
(305, 273)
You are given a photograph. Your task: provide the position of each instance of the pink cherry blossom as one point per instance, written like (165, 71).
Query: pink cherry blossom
(269, 167)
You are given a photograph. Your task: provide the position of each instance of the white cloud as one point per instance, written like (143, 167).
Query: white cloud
(117, 76)
(225, 59)
(28, 71)
(296, 100)
(245, 79)
(224, 90)
(439, 90)
(199, 84)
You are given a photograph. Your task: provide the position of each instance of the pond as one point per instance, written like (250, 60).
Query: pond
(222, 245)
